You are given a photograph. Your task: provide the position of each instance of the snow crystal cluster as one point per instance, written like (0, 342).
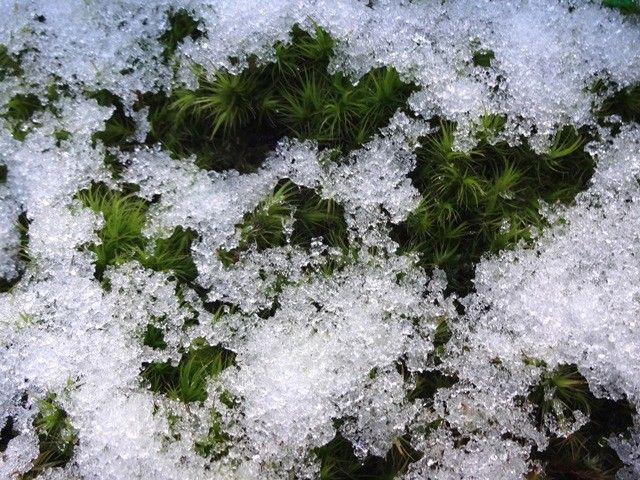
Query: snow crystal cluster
(339, 349)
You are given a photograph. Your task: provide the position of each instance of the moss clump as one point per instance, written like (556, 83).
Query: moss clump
(181, 26)
(308, 215)
(586, 452)
(628, 7)
(19, 111)
(23, 253)
(216, 443)
(338, 461)
(119, 128)
(487, 199)
(9, 64)
(122, 239)
(625, 103)
(56, 436)
(233, 120)
(188, 380)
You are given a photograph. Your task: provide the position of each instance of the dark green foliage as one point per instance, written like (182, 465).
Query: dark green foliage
(172, 254)
(486, 200)
(122, 240)
(3, 173)
(482, 58)
(625, 103)
(154, 337)
(20, 108)
(124, 218)
(61, 136)
(441, 337)
(188, 380)
(181, 26)
(627, 7)
(215, 444)
(338, 462)
(23, 252)
(312, 217)
(233, 120)
(119, 128)
(428, 382)
(56, 437)
(9, 64)
(586, 453)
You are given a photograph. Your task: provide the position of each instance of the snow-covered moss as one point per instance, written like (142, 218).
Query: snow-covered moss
(150, 329)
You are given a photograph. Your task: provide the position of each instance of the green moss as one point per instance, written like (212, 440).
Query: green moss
(124, 217)
(19, 111)
(9, 64)
(627, 7)
(188, 380)
(233, 120)
(216, 443)
(56, 437)
(23, 253)
(122, 239)
(482, 58)
(585, 453)
(441, 337)
(172, 254)
(625, 103)
(119, 129)
(154, 337)
(310, 216)
(487, 199)
(338, 461)
(181, 26)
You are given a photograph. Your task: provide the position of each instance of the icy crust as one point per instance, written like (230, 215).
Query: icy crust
(112, 45)
(570, 298)
(9, 234)
(316, 350)
(540, 75)
(329, 352)
(573, 293)
(63, 333)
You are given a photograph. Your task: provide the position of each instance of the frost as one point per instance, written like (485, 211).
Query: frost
(327, 340)
(311, 362)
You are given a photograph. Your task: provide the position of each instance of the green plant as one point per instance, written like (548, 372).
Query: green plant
(188, 380)
(122, 240)
(171, 254)
(627, 7)
(56, 437)
(154, 337)
(226, 102)
(308, 215)
(215, 444)
(486, 199)
(124, 217)
(119, 129)
(9, 64)
(338, 461)
(625, 103)
(181, 26)
(561, 392)
(584, 454)
(19, 110)
(231, 120)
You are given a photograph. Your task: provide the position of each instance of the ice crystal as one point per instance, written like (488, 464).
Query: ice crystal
(328, 341)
